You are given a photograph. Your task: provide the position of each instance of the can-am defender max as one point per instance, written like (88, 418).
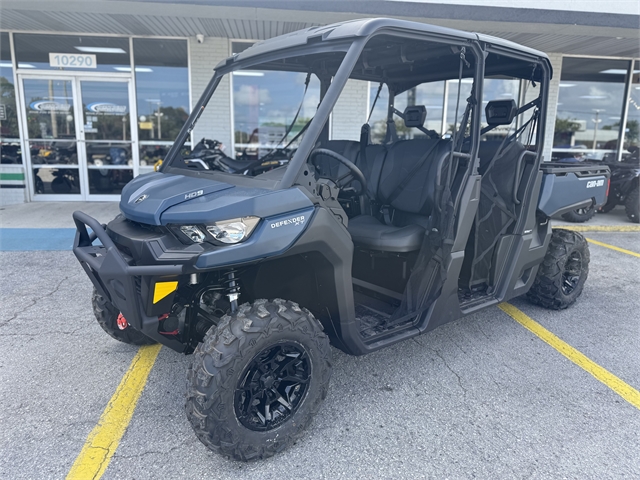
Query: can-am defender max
(357, 243)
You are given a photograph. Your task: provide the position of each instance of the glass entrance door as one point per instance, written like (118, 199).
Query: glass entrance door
(81, 144)
(52, 138)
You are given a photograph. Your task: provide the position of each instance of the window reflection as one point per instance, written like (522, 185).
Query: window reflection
(589, 108)
(49, 108)
(428, 94)
(108, 181)
(106, 110)
(110, 153)
(8, 115)
(56, 152)
(265, 104)
(162, 86)
(631, 152)
(56, 181)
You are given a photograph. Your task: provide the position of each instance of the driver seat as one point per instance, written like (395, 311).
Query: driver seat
(408, 213)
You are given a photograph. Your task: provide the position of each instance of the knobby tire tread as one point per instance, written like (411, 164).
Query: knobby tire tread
(212, 379)
(107, 316)
(546, 290)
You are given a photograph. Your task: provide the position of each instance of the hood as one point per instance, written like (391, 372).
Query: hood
(146, 197)
(165, 198)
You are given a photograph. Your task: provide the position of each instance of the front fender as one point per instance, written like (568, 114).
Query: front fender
(273, 236)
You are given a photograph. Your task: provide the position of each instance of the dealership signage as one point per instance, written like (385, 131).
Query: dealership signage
(71, 60)
(49, 106)
(107, 108)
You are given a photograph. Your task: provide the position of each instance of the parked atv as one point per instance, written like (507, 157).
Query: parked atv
(208, 155)
(624, 187)
(257, 276)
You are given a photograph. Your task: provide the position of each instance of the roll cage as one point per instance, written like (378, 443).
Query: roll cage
(381, 51)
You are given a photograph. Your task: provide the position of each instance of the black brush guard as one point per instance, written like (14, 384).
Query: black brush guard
(115, 279)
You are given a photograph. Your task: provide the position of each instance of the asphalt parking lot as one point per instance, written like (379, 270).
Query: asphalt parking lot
(481, 397)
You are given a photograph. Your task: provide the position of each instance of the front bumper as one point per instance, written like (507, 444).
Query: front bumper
(117, 279)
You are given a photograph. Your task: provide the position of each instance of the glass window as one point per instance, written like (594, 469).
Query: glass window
(429, 95)
(265, 104)
(49, 108)
(162, 87)
(239, 47)
(9, 133)
(111, 53)
(499, 89)
(589, 108)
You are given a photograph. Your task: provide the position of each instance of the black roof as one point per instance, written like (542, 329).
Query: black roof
(364, 27)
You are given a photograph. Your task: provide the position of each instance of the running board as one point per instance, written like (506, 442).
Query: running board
(477, 304)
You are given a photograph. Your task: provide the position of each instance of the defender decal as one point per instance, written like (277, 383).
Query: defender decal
(297, 221)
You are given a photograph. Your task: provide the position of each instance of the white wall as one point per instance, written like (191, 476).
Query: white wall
(552, 106)
(216, 123)
(12, 176)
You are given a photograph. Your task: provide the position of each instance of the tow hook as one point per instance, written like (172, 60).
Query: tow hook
(122, 322)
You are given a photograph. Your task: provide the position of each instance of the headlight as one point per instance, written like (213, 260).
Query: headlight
(193, 233)
(234, 230)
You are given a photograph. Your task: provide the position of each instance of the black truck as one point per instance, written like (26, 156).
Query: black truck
(353, 243)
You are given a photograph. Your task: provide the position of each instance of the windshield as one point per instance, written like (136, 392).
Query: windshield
(269, 113)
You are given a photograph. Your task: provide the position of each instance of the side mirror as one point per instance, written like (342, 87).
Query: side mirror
(501, 112)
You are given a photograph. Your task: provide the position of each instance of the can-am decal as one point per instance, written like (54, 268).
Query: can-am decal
(297, 221)
(49, 106)
(595, 183)
(108, 108)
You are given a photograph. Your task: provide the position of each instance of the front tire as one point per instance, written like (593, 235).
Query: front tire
(107, 316)
(257, 379)
(632, 206)
(580, 215)
(563, 272)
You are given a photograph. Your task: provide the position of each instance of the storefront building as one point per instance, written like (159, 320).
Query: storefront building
(93, 93)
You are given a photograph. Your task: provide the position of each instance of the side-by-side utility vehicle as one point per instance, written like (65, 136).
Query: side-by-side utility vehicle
(372, 234)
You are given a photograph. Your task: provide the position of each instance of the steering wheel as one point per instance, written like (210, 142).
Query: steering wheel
(354, 172)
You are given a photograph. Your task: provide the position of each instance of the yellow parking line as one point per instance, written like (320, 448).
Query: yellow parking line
(103, 440)
(627, 392)
(612, 247)
(600, 228)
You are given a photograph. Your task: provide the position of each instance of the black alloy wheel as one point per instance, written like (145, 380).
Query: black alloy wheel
(563, 272)
(273, 386)
(257, 379)
(571, 274)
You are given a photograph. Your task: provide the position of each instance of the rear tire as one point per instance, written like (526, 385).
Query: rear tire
(563, 272)
(107, 316)
(580, 215)
(632, 206)
(257, 379)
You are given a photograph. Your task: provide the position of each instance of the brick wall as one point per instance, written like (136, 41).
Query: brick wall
(350, 111)
(216, 121)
